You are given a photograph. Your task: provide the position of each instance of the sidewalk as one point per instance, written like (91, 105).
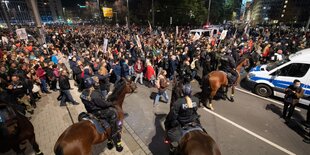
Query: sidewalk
(50, 120)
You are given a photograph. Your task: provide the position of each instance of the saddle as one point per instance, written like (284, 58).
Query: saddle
(190, 127)
(101, 124)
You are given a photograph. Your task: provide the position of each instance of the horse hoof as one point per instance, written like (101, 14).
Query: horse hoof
(210, 107)
(232, 99)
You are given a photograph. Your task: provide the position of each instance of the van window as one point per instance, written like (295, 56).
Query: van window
(294, 70)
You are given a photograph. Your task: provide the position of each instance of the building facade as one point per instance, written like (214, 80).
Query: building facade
(280, 11)
(19, 11)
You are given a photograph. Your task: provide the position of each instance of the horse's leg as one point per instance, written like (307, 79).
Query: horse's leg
(35, 145)
(232, 93)
(212, 94)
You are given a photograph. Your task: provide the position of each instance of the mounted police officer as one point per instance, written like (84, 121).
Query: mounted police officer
(96, 104)
(228, 65)
(183, 113)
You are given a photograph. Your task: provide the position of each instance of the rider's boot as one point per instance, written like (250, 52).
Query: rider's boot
(117, 141)
(110, 144)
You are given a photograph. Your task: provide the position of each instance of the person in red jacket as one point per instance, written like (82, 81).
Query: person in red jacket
(41, 75)
(150, 73)
(139, 67)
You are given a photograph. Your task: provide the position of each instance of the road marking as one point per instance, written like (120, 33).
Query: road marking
(250, 132)
(267, 99)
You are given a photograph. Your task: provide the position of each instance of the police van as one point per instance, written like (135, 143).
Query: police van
(274, 78)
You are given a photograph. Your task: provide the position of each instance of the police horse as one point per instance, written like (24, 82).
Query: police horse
(217, 79)
(194, 140)
(15, 130)
(78, 138)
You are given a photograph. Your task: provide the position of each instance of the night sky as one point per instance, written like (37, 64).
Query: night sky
(69, 3)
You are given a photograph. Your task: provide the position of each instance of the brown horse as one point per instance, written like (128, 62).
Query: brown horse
(15, 129)
(78, 138)
(217, 79)
(198, 143)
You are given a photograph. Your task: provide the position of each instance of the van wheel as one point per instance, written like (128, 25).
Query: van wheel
(263, 90)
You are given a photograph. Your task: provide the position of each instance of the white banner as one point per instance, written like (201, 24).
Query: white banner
(223, 34)
(4, 40)
(105, 45)
(22, 34)
(138, 42)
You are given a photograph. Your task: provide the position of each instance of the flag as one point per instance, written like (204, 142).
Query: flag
(150, 26)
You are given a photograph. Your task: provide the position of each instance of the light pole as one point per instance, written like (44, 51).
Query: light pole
(6, 16)
(209, 12)
(116, 20)
(153, 14)
(128, 14)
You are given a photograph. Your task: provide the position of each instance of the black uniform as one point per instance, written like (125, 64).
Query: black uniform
(96, 103)
(228, 65)
(179, 116)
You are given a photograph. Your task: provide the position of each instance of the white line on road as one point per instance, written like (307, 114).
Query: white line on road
(250, 132)
(267, 99)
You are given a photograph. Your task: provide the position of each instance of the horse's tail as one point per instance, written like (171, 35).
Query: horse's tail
(58, 150)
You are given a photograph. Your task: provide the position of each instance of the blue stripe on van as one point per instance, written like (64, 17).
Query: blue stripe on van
(257, 68)
(282, 84)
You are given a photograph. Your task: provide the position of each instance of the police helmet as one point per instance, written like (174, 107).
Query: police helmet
(89, 82)
(187, 90)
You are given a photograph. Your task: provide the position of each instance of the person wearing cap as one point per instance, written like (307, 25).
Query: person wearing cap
(183, 113)
(228, 65)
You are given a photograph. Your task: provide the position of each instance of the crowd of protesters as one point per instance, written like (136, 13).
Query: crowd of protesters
(149, 56)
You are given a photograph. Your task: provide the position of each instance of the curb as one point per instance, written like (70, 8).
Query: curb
(144, 148)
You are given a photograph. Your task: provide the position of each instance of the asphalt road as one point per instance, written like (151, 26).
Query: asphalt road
(250, 125)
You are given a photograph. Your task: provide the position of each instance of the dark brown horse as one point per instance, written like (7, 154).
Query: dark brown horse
(198, 143)
(217, 79)
(78, 138)
(15, 130)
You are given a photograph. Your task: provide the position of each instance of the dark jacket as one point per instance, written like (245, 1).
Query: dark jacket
(117, 70)
(64, 83)
(181, 114)
(19, 89)
(227, 63)
(104, 82)
(125, 70)
(291, 96)
(93, 100)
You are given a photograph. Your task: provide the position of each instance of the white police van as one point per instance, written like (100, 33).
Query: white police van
(273, 78)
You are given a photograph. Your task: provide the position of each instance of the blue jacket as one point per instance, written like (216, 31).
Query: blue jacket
(54, 59)
(125, 70)
(117, 70)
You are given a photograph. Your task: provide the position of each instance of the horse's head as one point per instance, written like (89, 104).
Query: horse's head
(130, 87)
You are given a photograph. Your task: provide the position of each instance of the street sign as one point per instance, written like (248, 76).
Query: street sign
(223, 34)
(107, 12)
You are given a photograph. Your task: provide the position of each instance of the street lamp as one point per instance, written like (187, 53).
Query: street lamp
(128, 14)
(209, 12)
